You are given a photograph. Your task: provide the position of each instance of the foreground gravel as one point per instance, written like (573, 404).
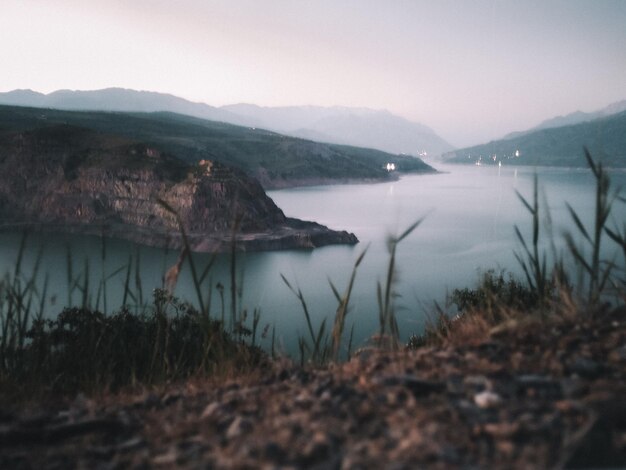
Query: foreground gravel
(535, 395)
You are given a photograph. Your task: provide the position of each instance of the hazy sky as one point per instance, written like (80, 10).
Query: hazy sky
(471, 70)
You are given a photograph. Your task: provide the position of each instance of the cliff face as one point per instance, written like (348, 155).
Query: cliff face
(76, 180)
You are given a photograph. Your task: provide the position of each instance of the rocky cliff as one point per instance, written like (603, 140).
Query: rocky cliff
(77, 180)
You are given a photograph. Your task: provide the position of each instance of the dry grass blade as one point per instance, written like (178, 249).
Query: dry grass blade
(597, 272)
(534, 265)
(342, 308)
(409, 230)
(298, 293)
(187, 248)
(578, 223)
(385, 294)
(171, 276)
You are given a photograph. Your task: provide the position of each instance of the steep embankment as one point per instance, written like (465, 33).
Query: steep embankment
(275, 160)
(76, 180)
(561, 146)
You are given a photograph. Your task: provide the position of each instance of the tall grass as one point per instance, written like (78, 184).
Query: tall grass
(548, 287)
(386, 293)
(317, 349)
(533, 262)
(597, 272)
(149, 341)
(342, 311)
(320, 347)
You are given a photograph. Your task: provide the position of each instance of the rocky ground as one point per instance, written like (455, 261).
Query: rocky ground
(535, 395)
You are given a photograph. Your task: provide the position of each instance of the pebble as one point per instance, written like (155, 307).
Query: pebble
(210, 410)
(166, 459)
(487, 399)
(238, 427)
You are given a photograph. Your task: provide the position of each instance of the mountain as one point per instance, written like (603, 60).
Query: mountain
(352, 126)
(275, 160)
(72, 179)
(574, 118)
(115, 99)
(561, 146)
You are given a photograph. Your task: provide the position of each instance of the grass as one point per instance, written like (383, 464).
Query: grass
(164, 338)
(597, 272)
(320, 347)
(143, 343)
(548, 290)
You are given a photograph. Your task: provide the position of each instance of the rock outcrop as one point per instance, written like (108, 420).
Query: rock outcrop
(76, 180)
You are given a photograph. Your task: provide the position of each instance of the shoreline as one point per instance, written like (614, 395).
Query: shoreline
(310, 182)
(295, 234)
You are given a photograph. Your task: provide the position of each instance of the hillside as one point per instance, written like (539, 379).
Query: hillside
(574, 118)
(340, 125)
(562, 146)
(71, 179)
(275, 160)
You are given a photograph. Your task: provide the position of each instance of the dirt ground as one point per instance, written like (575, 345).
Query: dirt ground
(535, 395)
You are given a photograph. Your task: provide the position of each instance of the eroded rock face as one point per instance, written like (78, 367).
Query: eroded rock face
(75, 180)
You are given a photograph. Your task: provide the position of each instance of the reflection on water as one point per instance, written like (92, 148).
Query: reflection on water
(471, 212)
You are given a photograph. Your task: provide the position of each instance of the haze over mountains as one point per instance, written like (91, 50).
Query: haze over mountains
(352, 126)
(555, 141)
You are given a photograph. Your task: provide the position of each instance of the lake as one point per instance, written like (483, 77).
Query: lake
(469, 216)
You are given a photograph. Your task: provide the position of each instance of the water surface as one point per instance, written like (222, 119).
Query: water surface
(469, 214)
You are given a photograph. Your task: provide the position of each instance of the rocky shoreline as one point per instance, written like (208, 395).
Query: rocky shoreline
(534, 394)
(295, 234)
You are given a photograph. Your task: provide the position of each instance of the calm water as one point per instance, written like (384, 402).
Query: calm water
(469, 214)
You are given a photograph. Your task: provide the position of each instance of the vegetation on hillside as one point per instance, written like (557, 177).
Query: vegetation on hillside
(274, 159)
(605, 137)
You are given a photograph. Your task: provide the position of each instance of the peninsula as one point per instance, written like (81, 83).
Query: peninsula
(72, 179)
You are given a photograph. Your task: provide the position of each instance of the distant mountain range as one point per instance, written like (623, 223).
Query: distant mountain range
(353, 126)
(115, 99)
(605, 137)
(341, 125)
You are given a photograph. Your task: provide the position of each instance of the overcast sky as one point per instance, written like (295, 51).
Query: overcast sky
(471, 70)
